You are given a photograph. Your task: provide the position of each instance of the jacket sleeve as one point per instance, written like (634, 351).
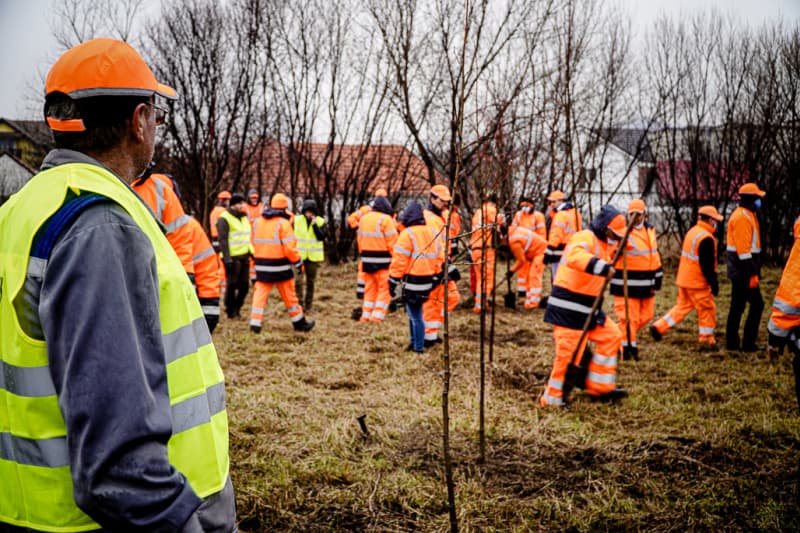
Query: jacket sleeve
(222, 231)
(320, 229)
(580, 258)
(705, 252)
(289, 244)
(353, 219)
(179, 235)
(401, 256)
(101, 322)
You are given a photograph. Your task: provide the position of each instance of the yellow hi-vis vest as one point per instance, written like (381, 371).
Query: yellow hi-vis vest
(238, 235)
(310, 248)
(36, 488)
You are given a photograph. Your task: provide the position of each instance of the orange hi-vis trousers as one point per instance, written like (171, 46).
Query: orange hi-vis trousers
(532, 282)
(376, 296)
(433, 308)
(289, 297)
(602, 372)
(700, 300)
(487, 271)
(641, 310)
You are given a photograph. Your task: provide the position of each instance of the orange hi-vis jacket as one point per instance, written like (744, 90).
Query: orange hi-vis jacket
(485, 222)
(274, 249)
(644, 265)
(157, 192)
(455, 231)
(253, 211)
(690, 272)
(566, 223)
(377, 234)
(534, 221)
(418, 256)
(786, 306)
(580, 277)
(213, 217)
(206, 262)
(355, 217)
(437, 223)
(743, 244)
(525, 244)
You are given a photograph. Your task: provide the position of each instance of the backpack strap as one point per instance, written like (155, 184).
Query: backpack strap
(49, 234)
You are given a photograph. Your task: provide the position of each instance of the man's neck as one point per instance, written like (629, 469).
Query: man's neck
(118, 162)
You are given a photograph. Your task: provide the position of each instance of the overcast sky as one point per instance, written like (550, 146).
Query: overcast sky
(27, 47)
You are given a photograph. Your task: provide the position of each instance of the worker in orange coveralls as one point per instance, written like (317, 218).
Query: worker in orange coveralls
(784, 323)
(352, 221)
(697, 280)
(585, 264)
(528, 249)
(377, 233)
(275, 253)
(486, 223)
(644, 279)
(529, 280)
(433, 307)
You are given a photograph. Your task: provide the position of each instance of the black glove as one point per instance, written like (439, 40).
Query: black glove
(437, 278)
(453, 273)
(715, 288)
(509, 274)
(392, 287)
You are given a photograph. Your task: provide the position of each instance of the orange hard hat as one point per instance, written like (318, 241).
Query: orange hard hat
(101, 67)
(555, 196)
(441, 191)
(381, 192)
(751, 188)
(279, 201)
(711, 212)
(637, 205)
(224, 195)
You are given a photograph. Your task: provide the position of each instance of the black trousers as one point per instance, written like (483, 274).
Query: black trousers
(237, 274)
(741, 295)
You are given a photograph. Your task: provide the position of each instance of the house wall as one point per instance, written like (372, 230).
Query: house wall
(12, 177)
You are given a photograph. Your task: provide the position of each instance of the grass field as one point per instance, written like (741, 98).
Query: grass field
(707, 440)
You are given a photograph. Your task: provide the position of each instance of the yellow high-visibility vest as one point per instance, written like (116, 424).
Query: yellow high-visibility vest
(310, 248)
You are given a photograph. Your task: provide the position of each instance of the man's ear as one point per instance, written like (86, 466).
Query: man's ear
(139, 121)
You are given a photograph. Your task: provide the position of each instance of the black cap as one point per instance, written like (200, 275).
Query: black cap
(237, 198)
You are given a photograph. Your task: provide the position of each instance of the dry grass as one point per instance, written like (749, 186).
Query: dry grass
(707, 441)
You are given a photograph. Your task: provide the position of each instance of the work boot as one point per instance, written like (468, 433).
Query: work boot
(303, 325)
(356, 314)
(754, 348)
(655, 333)
(429, 343)
(410, 348)
(611, 397)
(255, 329)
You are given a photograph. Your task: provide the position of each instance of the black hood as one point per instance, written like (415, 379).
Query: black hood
(602, 220)
(271, 212)
(381, 204)
(412, 215)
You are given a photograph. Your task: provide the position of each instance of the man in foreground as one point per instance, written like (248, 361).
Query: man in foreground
(114, 401)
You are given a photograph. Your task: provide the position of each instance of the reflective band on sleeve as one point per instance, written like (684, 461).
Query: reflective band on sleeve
(400, 250)
(604, 379)
(599, 266)
(31, 382)
(52, 453)
(199, 409)
(776, 330)
(208, 252)
(706, 331)
(177, 224)
(186, 340)
(784, 307)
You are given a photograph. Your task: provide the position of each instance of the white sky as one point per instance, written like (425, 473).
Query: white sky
(27, 47)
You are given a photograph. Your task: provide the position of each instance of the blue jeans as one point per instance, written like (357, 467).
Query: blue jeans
(416, 326)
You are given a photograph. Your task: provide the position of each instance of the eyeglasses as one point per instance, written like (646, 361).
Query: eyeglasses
(160, 113)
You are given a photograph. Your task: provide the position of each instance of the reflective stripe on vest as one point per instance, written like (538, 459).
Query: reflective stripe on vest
(308, 245)
(36, 488)
(238, 234)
